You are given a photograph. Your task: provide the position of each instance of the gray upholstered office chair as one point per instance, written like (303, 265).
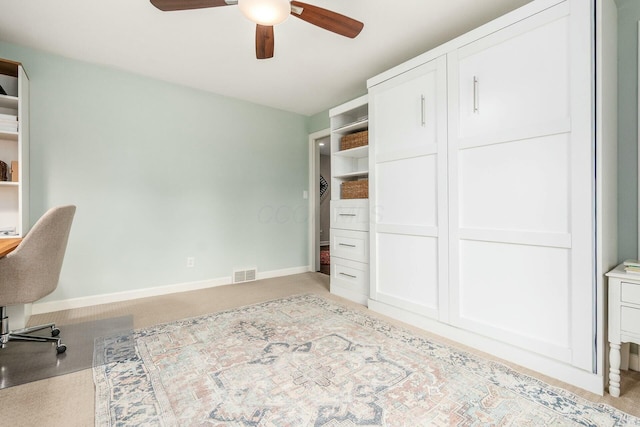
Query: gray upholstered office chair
(32, 271)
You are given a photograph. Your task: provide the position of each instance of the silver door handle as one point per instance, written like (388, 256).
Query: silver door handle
(346, 214)
(423, 112)
(347, 245)
(476, 95)
(348, 275)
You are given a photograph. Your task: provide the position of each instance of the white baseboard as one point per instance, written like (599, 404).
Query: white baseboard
(284, 272)
(50, 306)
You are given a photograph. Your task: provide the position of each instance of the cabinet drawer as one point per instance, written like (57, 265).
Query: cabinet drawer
(630, 320)
(350, 276)
(352, 245)
(630, 292)
(350, 214)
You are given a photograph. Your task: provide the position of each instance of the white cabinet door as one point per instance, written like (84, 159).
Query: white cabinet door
(406, 112)
(520, 222)
(408, 195)
(514, 83)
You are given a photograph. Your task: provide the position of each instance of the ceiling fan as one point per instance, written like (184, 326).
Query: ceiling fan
(267, 13)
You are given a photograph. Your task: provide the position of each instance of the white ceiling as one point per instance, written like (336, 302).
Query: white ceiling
(213, 49)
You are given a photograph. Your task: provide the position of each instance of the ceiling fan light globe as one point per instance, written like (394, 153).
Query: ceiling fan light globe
(265, 12)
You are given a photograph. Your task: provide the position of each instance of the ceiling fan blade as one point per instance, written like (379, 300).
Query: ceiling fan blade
(169, 5)
(264, 41)
(326, 19)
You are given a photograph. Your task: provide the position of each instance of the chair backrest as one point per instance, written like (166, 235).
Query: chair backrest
(32, 270)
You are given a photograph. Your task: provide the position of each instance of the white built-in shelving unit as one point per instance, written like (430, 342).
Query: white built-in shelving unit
(14, 150)
(349, 217)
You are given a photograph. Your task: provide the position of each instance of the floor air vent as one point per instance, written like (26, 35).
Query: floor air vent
(240, 276)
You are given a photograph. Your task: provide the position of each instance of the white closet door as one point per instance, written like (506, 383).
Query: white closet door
(408, 197)
(519, 225)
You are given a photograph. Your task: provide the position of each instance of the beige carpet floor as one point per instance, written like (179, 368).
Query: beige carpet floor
(68, 400)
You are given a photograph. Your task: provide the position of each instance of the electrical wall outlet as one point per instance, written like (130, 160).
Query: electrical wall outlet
(191, 261)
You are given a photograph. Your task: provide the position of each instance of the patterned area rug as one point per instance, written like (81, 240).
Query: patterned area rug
(305, 361)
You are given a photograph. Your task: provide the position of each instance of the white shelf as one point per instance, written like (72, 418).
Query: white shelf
(354, 126)
(356, 174)
(8, 135)
(9, 184)
(355, 153)
(7, 101)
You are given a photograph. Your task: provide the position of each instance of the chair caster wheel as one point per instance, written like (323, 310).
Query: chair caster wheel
(55, 332)
(61, 348)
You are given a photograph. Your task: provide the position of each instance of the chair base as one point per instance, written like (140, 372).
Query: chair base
(23, 334)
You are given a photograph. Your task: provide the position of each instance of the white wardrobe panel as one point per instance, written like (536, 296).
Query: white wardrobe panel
(515, 288)
(500, 87)
(406, 193)
(407, 270)
(521, 185)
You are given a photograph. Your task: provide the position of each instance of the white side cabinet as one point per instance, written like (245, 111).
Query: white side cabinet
(14, 150)
(349, 217)
(624, 319)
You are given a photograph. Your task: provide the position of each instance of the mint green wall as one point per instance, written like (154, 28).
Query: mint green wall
(628, 16)
(160, 172)
(319, 121)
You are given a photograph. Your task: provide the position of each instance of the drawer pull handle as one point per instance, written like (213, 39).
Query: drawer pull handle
(349, 275)
(347, 245)
(346, 214)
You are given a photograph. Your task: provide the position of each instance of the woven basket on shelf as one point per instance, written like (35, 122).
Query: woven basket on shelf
(354, 140)
(355, 189)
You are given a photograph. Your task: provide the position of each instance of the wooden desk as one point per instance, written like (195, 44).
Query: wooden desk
(8, 245)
